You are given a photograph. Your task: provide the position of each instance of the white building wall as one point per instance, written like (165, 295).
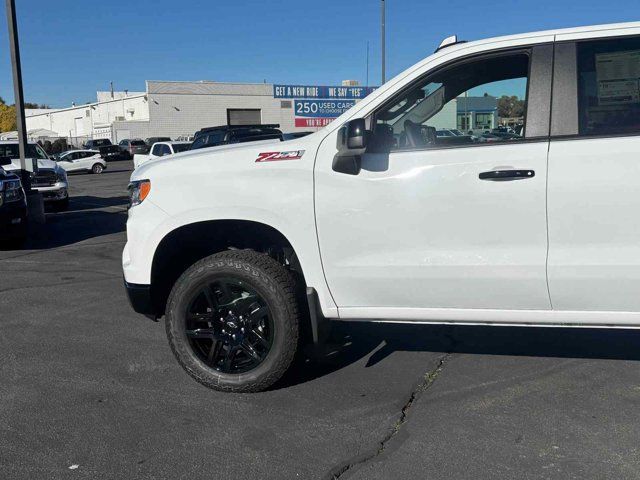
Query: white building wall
(178, 108)
(106, 96)
(90, 120)
(166, 109)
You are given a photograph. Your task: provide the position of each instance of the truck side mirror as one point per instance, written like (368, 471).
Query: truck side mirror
(351, 144)
(4, 161)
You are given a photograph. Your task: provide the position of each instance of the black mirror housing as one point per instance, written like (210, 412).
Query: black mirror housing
(356, 134)
(4, 161)
(351, 143)
(352, 137)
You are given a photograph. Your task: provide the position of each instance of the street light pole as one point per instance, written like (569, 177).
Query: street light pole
(367, 83)
(383, 13)
(14, 47)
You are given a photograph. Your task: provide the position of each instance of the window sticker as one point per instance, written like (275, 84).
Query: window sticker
(618, 77)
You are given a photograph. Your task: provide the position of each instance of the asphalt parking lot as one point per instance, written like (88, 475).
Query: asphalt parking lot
(88, 389)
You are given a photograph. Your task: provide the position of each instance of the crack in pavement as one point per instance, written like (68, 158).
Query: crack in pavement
(427, 381)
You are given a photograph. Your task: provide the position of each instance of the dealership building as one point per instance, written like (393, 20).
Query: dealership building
(175, 109)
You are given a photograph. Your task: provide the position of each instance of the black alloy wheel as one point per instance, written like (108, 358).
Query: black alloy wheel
(233, 320)
(229, 326)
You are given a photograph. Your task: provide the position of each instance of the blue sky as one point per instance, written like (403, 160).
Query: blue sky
(72, 48)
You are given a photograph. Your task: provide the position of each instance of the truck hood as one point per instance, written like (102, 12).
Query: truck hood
(15, 164)
(210, 153)
(239, 158)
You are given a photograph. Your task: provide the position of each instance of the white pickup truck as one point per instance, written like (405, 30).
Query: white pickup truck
(376, 218)
(160, 149)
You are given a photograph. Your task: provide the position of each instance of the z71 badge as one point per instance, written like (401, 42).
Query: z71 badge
(277, 156)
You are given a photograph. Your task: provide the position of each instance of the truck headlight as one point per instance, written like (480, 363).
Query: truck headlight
(12, 191)
(61, 175)
(138, 191)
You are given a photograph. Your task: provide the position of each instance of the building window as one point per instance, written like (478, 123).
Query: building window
(484, 121)
(244, 116)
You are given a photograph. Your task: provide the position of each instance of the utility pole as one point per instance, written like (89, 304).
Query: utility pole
(367, 83)
(14, 47)
(383, 13)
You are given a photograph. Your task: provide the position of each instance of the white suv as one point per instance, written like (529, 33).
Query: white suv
(375, 217)
(81, 161)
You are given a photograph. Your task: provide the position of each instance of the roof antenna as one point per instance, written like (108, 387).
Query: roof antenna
(449, 41)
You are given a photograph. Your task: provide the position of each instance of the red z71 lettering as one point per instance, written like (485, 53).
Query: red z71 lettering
(278, 156)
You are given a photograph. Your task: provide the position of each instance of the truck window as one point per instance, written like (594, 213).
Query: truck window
(609, 87)
(476, 97)
(33, 151)
(180, 147)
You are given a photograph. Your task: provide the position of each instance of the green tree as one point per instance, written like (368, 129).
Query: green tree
(7, 118)
(510, 107)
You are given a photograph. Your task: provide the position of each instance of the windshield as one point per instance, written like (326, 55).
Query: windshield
(180, 147)
(137, 143)
(33, 151)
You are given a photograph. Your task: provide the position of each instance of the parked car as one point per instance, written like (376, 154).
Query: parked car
(110, 153)
(184, 138)
(151, 140)
(50, 180)
(489, 137)
(129, 148)
(13, 208)
(541, 230)
(81, 161)
(226, 134)
(160, 149)
(95, 144)
(503, 129)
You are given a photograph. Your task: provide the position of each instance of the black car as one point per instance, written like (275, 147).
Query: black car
(97, 143)
(226, 134)
(13, 208)
(111, 152)
(151, 140)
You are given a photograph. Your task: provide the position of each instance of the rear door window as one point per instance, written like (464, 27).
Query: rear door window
(609, 87)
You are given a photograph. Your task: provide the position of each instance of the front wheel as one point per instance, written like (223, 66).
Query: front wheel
(97, 168)
(232, 321)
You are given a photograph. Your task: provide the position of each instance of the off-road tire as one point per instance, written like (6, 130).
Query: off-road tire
(275, 284)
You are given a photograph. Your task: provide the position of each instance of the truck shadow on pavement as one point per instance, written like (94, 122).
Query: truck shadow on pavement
(351, 342)
(87, 217)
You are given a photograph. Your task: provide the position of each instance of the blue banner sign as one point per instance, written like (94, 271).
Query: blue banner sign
(322, 108)
(309, 91)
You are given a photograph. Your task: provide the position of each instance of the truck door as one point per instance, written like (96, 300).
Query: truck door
(434, 221)
(594, 175)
